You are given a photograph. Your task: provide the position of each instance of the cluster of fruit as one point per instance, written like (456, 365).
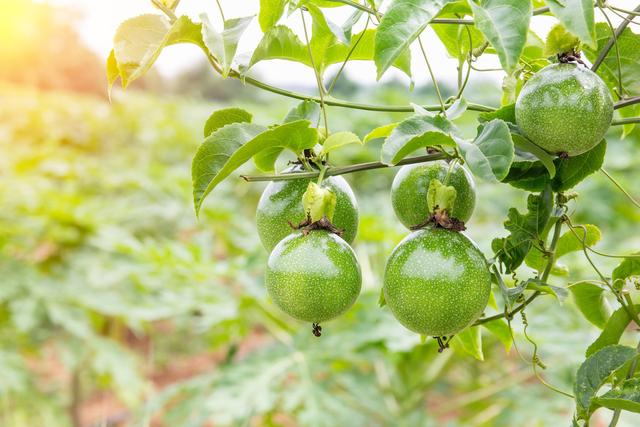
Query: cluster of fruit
(436, 281)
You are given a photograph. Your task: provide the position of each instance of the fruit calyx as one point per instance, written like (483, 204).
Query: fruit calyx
(443, 343)
(571, 57)
(319, 204)
(440, 200)
(317, 329)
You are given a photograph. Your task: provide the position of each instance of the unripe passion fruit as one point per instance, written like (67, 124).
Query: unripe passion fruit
(436, 282)
(411, 184)
(280, 204)
(313, 277)
(565, 108)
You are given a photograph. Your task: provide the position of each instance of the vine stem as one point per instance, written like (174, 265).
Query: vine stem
(333, 171)
(545, 275)
(433, 77)
(316, 73)
(626, 102)
(605, 51)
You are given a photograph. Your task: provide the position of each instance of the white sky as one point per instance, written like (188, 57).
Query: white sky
(101, 18)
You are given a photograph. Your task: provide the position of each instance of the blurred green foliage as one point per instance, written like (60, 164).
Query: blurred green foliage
(107, 280)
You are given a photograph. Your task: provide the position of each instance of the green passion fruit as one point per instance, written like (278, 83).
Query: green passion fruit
(313, 277)
(281, 203)
(436, 282)
(411, 184)
(565, 109)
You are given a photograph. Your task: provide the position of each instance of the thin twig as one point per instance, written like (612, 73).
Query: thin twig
(433, 77)
(620, 187)
(614, 37)
(316, 72)
(332, 171)
(626, 102)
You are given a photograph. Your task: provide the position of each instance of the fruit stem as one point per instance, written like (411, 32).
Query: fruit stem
(625, 103)
(358, 167)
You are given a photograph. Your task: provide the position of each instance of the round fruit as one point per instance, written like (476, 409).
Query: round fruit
(565, 108)
(436, 282)
(313, 277)
(410, 186)
(281, 203)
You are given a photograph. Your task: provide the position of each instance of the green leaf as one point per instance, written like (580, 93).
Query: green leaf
(559, 41)
(224, 117)
(629, 267)
(612, 331)
(500, 329)
(594, 371)
(490, 155)
(380, 132)
(523, 143)
(270, 13)
(629, 111)
(339, 139)
(567, 243)
(590, 300)
(323, 24)
(525, 230)
(318, 202)
(112, 70)
(629, 48)
(457, 109)
(531, 176)
(536, 285)
(577, 17)
(381, 299)
(626, 397)
(280, 42)
(231, 146)
(455, 38)
(223, 45)
(400, 26)
(414, 133)
(440, 196)
(139, 41)
(470, 340)
(506, 113)
(265, 160)
(505, 24)
(362, 49)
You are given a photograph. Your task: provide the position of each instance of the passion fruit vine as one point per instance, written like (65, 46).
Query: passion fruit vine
(565, 109)
(436, 282)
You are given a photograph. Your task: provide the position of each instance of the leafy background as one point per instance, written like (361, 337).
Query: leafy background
(117, 307)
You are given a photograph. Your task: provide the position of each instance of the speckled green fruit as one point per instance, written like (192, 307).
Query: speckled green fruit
(281, 202)
(436, 282)
(313, 278)
(565, 108)
(410, 186)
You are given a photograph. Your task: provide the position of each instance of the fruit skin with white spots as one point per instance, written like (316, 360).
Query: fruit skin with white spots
(281, 202)
(436, 282)
(313, 277)
(411, 184)
(565, 108)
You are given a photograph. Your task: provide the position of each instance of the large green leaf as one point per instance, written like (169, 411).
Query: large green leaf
(525, 230)
(567, 243)
(612, 331)
(231, 146)
(625, 397)
(270, 13)
(380, 132)
(594, 371)
(590, 300)
(414, 133)
(491, 153)
(139, 41)
(505, 24)
(629, 48)
(470, 340)
(532, 176)
(223, 45)
(500, 329)
(280, 42)
(224, 117)
(400, 26)
(338, 140)
(362, 49)
(458, 39)
(577, 17)
(323, 25)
